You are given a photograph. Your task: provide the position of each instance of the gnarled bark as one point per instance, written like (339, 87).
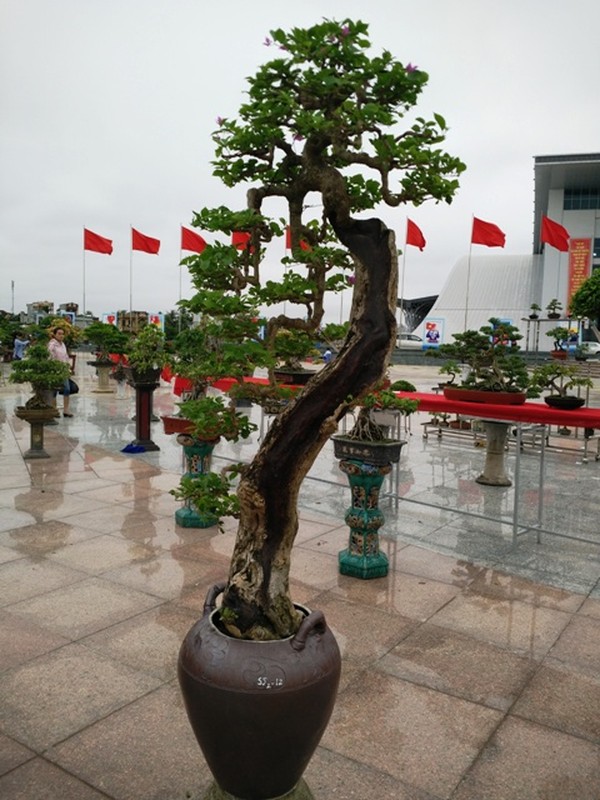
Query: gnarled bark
(257, 593)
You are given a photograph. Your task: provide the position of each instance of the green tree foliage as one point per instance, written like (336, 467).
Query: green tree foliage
(326, 125)
(586, 300)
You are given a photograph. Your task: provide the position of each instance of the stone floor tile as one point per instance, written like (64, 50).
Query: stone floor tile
(44, 538)
(450, 662)
(524, 761)
(510, 624)
(363, 634)
(591, 608)
(62, 692)
(103, 552)
(443, 568)
(148, 642)
(22, 640)
(501, 585)
(331, 776)
(145, 751)
(563, 697)
(579, 644)
(408, 595)
(168, 577)
(39, 779)
(27, 578)
(12, 754)
(318, 570)
(419, 736)
(85, 607)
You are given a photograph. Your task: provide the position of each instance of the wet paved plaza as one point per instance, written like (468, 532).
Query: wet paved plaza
(470, 672)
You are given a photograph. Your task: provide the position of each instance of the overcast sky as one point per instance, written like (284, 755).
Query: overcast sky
(107, 106)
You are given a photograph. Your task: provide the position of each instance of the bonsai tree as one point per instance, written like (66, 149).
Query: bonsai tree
(322, 120)
(553, 308)
(366, 428)
(212, 419)
(559, 379)
(106, 339)
(42, 372)
(491, 355)
(560, 334)
(535, 311)
(147, 350)
(585, 302)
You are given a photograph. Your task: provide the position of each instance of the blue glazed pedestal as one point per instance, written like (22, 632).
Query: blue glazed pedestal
(362, 558)
(197, 455)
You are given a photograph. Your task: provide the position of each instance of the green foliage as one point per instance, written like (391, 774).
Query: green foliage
(147, 350)
(365, 427)
(585, 302)
(560, 334)
(211, 494)
(403, 386)
(558, 378)
(213, 419)
(554, 306)
(41, 371)
(491, 355)
(106, 339)
(73, 334)
(176, 321)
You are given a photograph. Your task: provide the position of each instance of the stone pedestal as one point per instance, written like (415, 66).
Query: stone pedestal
(494, 472)
(197, 457)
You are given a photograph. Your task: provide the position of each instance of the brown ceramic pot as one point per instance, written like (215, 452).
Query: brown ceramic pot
(258, 709)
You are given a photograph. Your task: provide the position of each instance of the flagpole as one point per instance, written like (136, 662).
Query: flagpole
(83, 284)
(130, 274)
(180, 293)
(402, 274)
(469, 274)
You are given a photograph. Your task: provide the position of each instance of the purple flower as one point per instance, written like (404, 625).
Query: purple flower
(298, 137)
(220, 120)
(351, 280)
(268, 41)
(345, 30)
(411, 67)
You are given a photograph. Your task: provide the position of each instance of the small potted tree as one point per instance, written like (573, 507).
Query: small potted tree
(146, 358)
(560, 334)
(45, 375)
(107, 340)
(560, 380)
(534, 311)
(554, 309)
(494, 370)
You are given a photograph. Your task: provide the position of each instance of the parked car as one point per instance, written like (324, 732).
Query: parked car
(409, 341)
(592, 348)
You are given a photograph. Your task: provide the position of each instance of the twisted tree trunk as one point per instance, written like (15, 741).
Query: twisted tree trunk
(257, 594)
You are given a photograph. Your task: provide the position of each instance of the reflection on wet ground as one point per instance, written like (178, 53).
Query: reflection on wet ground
(464, 668)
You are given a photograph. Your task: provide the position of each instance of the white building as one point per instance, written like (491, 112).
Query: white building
(567, 190)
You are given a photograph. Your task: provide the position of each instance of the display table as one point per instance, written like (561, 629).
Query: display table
(498, 416)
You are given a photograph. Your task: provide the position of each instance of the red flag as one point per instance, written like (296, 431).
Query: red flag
(414, 236)
(288, 240)
(240, 239)
(192, 241)
(554, 234)
(144, 243)
(487, 233)
(91, 241)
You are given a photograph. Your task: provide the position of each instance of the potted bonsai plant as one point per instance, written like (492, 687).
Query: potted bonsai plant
(45, 375)
(107, 340)
(553, 309)
(560, 380)
(494, 370)
(534, 311)
(296, 137)
(560, 334)
(146, 358)
(366, 455)
(206, 497)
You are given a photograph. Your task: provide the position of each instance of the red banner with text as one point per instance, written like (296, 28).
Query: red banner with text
(580, 262)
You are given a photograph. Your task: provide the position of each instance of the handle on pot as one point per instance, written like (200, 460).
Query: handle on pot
(210, 603)
(315, 621)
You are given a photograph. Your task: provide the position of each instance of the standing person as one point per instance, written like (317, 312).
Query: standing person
(19, 346)
(58, 351)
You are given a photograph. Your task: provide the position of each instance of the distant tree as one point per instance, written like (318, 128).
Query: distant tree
(586, 300)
